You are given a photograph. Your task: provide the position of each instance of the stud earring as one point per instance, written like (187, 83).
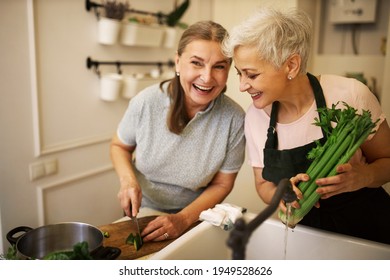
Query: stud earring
(178, 74)
(289, 77)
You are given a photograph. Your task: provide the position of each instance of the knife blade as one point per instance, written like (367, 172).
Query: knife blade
(135, 220)
(136, 239)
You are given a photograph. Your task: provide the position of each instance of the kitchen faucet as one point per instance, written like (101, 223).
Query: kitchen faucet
(239, 236)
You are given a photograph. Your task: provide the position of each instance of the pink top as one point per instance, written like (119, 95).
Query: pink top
(302, 131)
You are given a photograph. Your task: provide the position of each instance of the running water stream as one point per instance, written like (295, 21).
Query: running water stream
(288, 212)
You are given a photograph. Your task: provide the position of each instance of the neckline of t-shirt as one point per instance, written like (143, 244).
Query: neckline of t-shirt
(304, 116)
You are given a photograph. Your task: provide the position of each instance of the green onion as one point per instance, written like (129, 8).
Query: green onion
(351, 130)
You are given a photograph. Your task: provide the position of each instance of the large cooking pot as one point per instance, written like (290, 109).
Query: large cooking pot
(37, 243)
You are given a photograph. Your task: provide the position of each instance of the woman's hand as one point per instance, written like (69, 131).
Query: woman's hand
(301, 177)
(369, 167)
(130, 197)
(129, 194)
(294, 181)
(164, 227)
(173, 225)
(351, 176)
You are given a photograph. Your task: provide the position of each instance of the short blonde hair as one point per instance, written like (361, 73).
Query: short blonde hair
(275, 34)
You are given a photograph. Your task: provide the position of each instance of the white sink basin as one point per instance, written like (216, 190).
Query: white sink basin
(207, 242)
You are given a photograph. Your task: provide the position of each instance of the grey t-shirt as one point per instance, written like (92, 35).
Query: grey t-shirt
(172, 169)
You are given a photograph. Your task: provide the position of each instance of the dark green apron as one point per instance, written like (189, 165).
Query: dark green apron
(364, 213)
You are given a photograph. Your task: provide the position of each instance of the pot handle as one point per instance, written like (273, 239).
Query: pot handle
(11, 234)
(107, 253)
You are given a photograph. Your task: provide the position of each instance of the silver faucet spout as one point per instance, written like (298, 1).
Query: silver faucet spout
(239, 236)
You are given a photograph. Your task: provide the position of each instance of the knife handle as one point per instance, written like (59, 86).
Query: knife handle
(131, 211)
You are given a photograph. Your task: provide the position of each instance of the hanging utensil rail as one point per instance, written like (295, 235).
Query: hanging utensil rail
(95, 6)
(95, 64)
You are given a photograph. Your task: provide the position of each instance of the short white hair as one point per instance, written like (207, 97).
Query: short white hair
(275, 34)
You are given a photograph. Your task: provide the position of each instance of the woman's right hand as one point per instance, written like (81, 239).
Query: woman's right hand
(295, 181)
(130, 196)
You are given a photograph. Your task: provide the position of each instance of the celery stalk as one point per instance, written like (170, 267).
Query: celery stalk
(351, 131)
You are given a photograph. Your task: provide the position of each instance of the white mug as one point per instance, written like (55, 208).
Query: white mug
(110, 86)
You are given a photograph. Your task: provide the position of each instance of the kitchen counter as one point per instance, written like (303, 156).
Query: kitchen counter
(118, 233)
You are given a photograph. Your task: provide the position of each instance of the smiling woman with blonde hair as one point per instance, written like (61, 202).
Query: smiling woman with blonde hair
(270, 52)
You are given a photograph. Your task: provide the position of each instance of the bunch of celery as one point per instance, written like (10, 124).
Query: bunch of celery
(351, 130)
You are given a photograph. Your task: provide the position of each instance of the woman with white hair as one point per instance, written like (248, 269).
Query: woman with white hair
(270, 52)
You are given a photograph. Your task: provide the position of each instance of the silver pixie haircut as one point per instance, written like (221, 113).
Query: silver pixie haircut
(275, 34)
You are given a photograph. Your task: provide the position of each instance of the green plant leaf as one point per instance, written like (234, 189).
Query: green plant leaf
(174, 17)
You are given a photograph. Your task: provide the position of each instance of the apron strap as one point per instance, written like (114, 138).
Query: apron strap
(317, 89)
(272, 136)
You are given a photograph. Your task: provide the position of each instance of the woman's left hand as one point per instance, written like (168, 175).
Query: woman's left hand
(164, 227)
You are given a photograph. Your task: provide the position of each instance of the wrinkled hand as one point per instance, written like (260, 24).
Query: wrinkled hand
(164, 227)
(351, 176)
(295, 181)
(348, 179)
(130, 198)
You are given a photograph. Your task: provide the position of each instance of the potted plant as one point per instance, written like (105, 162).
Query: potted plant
(172, 21)
(110, 23)
(142, 31)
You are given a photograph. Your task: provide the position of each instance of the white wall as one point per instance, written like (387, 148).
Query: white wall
(333, 46)
(1, 243)
(386, 80)
(385, 97)
(17, 194)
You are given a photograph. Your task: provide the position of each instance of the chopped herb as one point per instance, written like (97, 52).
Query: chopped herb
(11, 254)
(80, 252)
(135, 240)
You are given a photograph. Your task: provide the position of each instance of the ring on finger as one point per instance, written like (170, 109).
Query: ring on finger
(166, 235)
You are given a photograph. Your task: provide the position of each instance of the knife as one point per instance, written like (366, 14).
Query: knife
(135, 220)
(137, 239)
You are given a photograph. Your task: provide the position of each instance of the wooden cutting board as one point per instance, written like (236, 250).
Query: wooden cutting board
(119, 233)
